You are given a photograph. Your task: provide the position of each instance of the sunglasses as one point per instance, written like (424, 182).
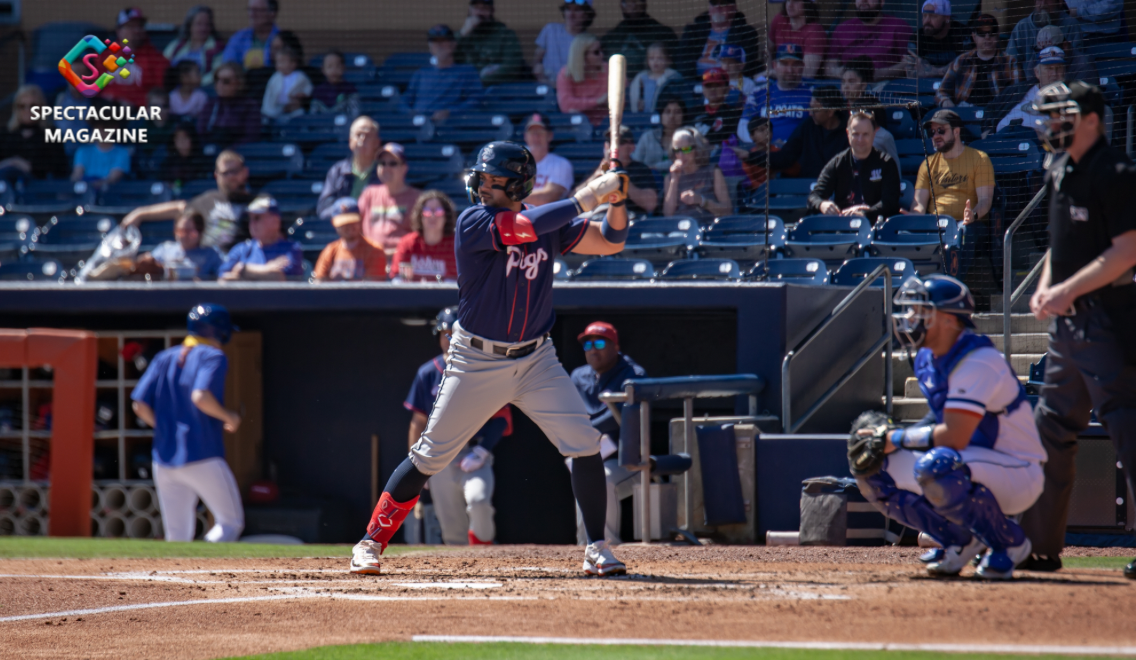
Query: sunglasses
(598, 344)
(683, 150)
(940, 131)
(230, 172)
(433, 213)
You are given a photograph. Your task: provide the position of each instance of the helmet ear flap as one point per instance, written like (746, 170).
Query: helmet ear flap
(472, 184)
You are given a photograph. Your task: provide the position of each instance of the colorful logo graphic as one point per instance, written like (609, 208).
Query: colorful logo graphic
(100, 70)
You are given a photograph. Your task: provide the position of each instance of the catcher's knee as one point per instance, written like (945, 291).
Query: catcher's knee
(944, 478)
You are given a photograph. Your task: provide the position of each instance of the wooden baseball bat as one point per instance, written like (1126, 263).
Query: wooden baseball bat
(616, 82)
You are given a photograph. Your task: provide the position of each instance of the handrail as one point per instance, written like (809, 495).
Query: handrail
(1034, 272)
(786, 408)
(1008, 271)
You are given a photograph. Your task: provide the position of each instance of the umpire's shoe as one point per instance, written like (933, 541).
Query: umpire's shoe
(599, 560)
(1040, 563)
(1130, 570)
(365, 557)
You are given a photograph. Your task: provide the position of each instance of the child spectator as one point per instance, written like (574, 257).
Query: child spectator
(103, 163)
(754, 160)
(733, 60)
(187, 98)
(582, 84)
(426, 254)
(385, 208)
(334, 94)
(288, 87)
(648, 85)
(231, 117)
(186, 250)
(555, 39)
(653, 149)
(161, 130)
(184, 161)
(719, 118)
(351, 257)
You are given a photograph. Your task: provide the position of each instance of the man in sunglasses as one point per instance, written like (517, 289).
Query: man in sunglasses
(606, 370)
(977, 76)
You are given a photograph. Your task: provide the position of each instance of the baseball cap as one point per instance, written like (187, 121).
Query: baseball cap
(944, 116)
(625, 134)
(538, 119)
(130, 14)
(344, 211)
(264, 204)
(599, 329)
(440, 31)
(984, 23)
(715, 76)
(1050, 35)
(1051, 55)
(732, 51)
(937, 7)
(395, 149)
(790, 51)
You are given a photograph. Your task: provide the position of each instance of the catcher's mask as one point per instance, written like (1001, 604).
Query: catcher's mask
(1059, 116)
(917, 300)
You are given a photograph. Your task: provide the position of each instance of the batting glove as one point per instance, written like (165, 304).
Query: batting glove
(607, 188)
(474, 459)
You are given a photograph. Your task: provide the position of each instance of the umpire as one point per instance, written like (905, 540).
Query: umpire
(1087, 291)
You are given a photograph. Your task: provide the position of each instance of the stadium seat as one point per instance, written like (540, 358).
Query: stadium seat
(901, 125)
(40, 270)
(911, 154)
(51, 197)
(351, 61)
(155, 232)
(902, 89)
(192, 189)
(572, 127)
(404, 129)
(72, 238)
(916, 238)
(308, 130)
(453, 186)
(636, 121)
(429, 162)
(832, 238)
(701, 269)
(360, 76)
(906, 194)
(313, 235)
(519, 99)
(592, 152)
(295, 197)
(661, 240)
(854, 271)
(320, 160)
(741, 238)
(379, 98)
(7, 194)
(17, 231)
(615, 269)
(789, 197)
(473, 129)
(796, 271)
(272, 160)
(1110, 51)
(125, 196)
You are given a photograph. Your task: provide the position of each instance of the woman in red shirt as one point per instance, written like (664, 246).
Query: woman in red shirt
(582, 85)
(426, 254)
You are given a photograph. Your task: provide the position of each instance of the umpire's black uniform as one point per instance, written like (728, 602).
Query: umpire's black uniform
(1092, 353)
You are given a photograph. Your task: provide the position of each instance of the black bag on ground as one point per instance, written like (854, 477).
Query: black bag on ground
(833, 512)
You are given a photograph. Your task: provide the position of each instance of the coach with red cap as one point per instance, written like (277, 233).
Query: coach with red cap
(606, 371)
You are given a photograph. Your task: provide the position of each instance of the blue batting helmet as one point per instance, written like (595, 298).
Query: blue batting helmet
(210, 321)
(508, 159)
(445, 320)
(940, 292)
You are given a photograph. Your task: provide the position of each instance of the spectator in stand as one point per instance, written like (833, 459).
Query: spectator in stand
(861, 180)
(350, 176)
(653, 149)
(252, 46)
(487, 45)
(223, 208)
(702, 40)
(184, 161)
(943, 40)
(443, 86)
(1015, 104)
(858, 74)
(733, 60)
(694, 187)
(1024, 40)
(24, 149)
(977, 76)
(101, 163)
(231, 117)
(186, 248)
(385, 208)
(719, 119)
(289, 88)
(815, 143)
(642, 192)
(187, 97)
(582, 84)
(197, 41)
(799, 23)
(555, 40)
(351, 257)
(755, 160)
(651, 84)
(426, 254)
(267, 256)
(1076, 64)
(553, 173)
(159, 131)
(788, 100)
(149, 67)
(635, 34)
(1099, 20)
(881, 37)
(334, 94)
(963, 182)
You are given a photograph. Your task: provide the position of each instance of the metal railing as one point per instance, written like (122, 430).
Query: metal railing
(884, 342)
(1009, 296)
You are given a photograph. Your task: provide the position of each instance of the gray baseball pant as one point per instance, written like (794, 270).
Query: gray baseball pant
(463, 501)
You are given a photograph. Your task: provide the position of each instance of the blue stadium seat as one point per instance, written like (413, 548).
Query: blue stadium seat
(360, 76)
(7, 194)
(17, 231)
(795, 271)
(854, 271)
(1110, 51)
(430, 170)
(125, 196)
(916, 238)
(591, 152)
(789, 197)
(272, 160)
(661, 240)
(39, 270)
(399, 68)
(473, 129)
(900, 123)
(741, 238)
(351, 61)
(379, 98)
(404, 129)
(313, 235)
(832, 238)
(323, 157)
(51, 197)
(567, 127)
(307, 130)
(192, 189)
(636, 121)
(906, 194)
(701, 269)
(72, 238)
(453, 186)
(911, 154)
(295, 197)
(433, 161)
(155, 232)
(519, 99)
(615, 269)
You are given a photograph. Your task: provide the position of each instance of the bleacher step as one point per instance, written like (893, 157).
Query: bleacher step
(1019, 323)
(1026, 342)
(908, 409)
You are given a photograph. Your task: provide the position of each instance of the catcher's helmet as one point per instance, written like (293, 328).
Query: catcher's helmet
(210, 321)
(916, 297)
(445, 320)
(1071, 102)
(507, 159)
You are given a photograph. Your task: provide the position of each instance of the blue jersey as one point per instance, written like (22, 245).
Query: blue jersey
(183, 433)
(505, 272)
(787, 109)
(252, 252)
(424, 390)
(590, 386)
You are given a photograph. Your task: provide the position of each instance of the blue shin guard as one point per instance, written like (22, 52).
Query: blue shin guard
(946, 483)
(911, 509)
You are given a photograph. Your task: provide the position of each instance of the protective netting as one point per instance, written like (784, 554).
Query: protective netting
(289, 113)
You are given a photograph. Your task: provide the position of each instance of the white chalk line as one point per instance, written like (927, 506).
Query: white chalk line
(1035, 649)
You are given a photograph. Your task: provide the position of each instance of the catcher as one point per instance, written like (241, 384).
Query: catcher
(974, 460)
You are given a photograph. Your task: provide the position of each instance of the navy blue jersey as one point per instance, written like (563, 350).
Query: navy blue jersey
(505, 272)
(424, 390)
(591, 385)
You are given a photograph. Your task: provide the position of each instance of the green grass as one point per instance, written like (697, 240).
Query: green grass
(19, 547)
(512, 651)
(1096, 562)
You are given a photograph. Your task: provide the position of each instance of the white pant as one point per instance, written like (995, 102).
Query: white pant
(620, 481)
(212, 481)
(463, 501)
(1014, 482)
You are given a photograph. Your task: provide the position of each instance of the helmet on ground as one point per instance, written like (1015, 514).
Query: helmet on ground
(210, 321)
(1071, 103)
(445, 320)
(507, 159)
(918, 298)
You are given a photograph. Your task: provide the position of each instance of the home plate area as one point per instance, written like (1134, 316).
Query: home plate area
(828, 597)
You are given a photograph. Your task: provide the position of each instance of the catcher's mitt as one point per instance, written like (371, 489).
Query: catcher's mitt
(866, 443)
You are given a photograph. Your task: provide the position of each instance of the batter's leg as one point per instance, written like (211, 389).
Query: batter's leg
(449, 504)
(217, 487)
(478, 487)
(178, 504)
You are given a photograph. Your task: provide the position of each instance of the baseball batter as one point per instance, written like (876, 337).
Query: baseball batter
(500, 352)
(463, 492)
(974, 460)
(180, 397)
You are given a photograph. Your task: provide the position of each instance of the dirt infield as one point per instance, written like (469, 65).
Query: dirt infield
(207, 608)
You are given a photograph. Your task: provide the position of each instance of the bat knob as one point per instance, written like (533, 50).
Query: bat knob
(614, 165)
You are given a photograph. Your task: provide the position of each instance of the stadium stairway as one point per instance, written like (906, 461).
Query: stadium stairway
(1029, 344)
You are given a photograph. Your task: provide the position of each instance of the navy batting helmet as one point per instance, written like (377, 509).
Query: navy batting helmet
(210, 321)
(445, 320)
(916, 297)
(507, 159)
